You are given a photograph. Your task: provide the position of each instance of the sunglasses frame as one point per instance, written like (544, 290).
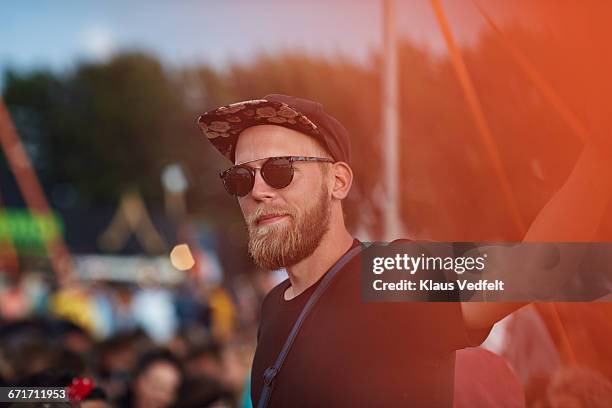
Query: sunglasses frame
(252, 170)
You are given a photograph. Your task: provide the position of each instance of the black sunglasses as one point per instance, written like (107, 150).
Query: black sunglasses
(277, 172)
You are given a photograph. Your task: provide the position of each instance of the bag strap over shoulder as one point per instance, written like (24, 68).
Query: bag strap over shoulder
(271, 372)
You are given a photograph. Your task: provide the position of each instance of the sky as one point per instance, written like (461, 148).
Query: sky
(58, 34)
(55, 33)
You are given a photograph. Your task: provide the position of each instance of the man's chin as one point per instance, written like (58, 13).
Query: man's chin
(266, 257)
(268, 246)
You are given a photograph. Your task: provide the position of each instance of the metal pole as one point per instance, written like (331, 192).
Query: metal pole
(390, 123)
(479, 118)
(32, 192)
(476, 109)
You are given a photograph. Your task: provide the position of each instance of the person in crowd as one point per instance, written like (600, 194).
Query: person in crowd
(155, 382)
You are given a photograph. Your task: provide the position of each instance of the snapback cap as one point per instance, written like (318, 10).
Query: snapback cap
(223, 125)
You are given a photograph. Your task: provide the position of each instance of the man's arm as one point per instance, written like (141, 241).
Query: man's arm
(572, 215)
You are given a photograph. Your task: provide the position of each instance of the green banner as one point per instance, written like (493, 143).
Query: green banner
(28, 232)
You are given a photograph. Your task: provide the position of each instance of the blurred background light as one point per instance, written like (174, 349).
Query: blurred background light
(181, 257)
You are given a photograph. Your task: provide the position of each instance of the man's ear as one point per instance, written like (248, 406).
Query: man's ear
(342, 180)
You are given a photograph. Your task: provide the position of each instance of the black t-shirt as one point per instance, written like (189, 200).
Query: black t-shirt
(350, 353)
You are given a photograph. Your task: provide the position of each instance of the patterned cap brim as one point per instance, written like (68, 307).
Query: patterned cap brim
(223, 125)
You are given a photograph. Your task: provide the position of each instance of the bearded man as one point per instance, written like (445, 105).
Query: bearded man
(291, 173)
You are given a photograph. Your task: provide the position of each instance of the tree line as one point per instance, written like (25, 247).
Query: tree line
(102, 128)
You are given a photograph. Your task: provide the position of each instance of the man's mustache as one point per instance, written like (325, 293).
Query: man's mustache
(269, 211)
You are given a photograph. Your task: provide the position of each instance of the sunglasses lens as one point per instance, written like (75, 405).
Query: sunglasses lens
(238, 181)
(277, 172)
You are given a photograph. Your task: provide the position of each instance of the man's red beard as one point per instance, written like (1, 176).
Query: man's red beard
(286, 242)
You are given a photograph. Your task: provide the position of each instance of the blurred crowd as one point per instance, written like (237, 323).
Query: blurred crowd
(190, 345)
(143, 345)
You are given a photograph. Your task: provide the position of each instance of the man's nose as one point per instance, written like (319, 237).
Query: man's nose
(261, 190)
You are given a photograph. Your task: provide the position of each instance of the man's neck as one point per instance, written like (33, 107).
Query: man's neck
(309, 270)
